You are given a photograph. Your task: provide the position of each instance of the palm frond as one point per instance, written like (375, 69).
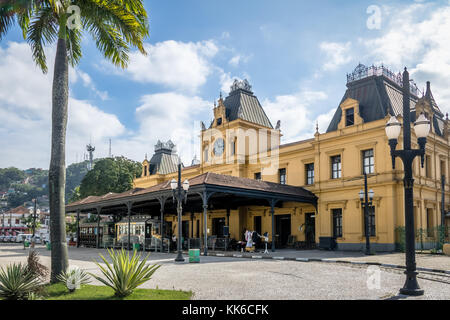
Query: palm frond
(110, 42)
(43, 30)
(74, 51)
(122, 21)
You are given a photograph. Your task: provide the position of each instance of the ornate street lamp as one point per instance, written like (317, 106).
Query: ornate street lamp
(421, 128)
(34, 217)
(179, 193)
(366, 198)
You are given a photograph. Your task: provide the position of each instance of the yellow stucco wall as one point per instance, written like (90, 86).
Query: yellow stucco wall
(342, 193)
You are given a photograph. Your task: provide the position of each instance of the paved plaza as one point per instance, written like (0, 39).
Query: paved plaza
(245, 279)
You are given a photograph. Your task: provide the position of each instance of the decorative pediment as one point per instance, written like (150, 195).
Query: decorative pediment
(335, 204)
(350, 103)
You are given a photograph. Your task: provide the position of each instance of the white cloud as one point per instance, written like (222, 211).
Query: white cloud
(177, 65)
(337, 54)
(294, 111)
(87, 82)
(25, 110)
(226, 80)
(417, 36)
(323, 120)
(238, 59)
(165, 116)
(234, 61)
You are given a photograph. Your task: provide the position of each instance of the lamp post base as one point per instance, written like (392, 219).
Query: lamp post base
(412, 292)
(179, 258)
(411, 287)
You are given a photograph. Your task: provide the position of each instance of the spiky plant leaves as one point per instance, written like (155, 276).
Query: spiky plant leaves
(17, 282)
(74, 277)
(125, 273)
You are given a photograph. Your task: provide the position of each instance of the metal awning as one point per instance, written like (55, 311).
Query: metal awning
(223, 191)
(206, 191)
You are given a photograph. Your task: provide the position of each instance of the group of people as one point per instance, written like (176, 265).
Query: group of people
(251, 239)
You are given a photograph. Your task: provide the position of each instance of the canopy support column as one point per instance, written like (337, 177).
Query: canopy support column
(129, 205)
(273, 202)
(78, 228)
(162, 202)
(192, 223)
(205, 198)
(99, 209)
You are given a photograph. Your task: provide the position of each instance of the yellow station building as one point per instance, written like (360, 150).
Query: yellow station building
(241, 150)
(242, 142)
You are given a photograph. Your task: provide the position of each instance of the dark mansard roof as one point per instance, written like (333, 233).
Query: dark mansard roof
(379, 92)
(164, 160)
(241, 103)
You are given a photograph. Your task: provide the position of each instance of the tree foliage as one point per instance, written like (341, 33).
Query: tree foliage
(29, 221)
(10, 175)
(74, 175)
(17, 199)
(110, 175)
(71, 226)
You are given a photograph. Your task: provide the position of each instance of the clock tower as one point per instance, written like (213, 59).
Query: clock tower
(238, 133)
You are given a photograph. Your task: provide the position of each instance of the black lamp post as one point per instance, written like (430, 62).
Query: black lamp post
(421, 128)
(366, 198)
(180, 194)
(34, 217)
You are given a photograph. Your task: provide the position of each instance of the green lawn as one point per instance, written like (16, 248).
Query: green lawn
(59, 291)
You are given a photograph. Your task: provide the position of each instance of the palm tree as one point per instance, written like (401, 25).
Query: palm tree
(114, 25)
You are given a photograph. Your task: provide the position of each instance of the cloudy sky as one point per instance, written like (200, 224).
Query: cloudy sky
(295, 54)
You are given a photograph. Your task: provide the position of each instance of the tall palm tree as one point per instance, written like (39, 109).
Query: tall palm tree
(114, 25)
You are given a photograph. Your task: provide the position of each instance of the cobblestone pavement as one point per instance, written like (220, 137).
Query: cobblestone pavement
(430, 261)
(259, 279)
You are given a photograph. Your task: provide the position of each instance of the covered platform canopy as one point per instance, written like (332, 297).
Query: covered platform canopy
(208, 190)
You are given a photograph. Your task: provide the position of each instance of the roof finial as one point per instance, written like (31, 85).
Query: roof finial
(317, 126)
(220, 94)
(146, 156)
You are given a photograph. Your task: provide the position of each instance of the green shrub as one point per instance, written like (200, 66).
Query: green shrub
(400, 235)
(73, 278)
(126, 273)
(421, 233)
(17, 282)
(441, 237)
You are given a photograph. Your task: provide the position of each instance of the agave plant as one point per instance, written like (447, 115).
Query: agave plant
(74, 277)
(17, 282)
(125, 273)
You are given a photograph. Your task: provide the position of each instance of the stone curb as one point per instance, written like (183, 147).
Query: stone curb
(384, 265)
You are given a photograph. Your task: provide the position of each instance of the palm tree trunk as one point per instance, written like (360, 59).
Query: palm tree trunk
(57, 171)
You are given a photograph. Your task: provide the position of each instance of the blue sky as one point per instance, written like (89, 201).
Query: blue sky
(295, 54)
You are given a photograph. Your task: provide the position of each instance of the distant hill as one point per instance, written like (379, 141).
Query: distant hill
(22, 186)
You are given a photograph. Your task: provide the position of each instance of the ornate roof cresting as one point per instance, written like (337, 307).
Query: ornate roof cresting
(244, 85)
(362, 72)
(169, 145)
